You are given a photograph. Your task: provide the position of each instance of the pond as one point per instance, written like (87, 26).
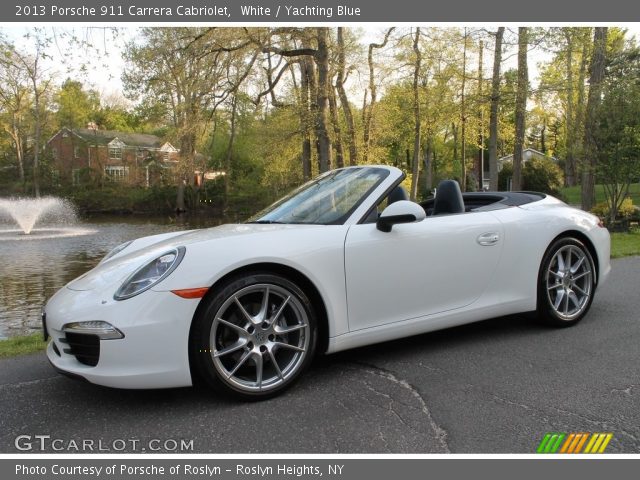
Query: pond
(33, 267)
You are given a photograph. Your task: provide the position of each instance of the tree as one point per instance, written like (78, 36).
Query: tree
(15, 104)
(616, 134)
(344, 100)
(521, 107)
(76, 106)
(415, 165)
(493, 118)
(596, 77)
(193, 71)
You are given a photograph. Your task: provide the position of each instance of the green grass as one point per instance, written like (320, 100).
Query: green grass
(21, 345)
(625, 244)
(572, 194)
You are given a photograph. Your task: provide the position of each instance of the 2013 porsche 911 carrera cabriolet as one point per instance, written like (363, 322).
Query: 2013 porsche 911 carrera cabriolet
(344, 261)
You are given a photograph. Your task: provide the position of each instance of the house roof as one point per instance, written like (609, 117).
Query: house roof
(531, 150)
(104, 137)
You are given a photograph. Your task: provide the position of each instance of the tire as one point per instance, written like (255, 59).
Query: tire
(254, 337)
(566, 283)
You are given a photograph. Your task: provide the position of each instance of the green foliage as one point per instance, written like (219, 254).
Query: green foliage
(542, 175)
(625, 211)
(21, 345)
(76, 106)
(538, 175)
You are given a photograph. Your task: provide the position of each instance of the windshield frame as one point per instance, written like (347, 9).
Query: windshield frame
(383, 172)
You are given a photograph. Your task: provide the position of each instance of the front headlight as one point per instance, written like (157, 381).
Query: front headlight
(115, 251)
(150, 274)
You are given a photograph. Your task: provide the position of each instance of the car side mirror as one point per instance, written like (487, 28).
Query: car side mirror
(402, 211)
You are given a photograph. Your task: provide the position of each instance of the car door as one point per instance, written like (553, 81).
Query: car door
(441, 263)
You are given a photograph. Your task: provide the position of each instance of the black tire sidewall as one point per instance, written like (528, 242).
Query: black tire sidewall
(199, 344)
(546, 312)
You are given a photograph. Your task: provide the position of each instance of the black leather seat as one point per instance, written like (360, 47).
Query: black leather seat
(448, 198)
(397, 194)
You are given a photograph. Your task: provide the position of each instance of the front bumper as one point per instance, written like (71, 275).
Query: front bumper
(154, 351)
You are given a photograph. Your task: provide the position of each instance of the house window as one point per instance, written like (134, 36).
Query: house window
(75, 176)
(54, 153)
(76, 151)
(115, 153)
(165, 156)
(116, 173)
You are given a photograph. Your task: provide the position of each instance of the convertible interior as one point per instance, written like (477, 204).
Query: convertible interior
(449, 200)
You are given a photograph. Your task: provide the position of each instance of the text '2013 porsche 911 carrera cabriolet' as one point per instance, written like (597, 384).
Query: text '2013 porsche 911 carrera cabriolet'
(344, 261)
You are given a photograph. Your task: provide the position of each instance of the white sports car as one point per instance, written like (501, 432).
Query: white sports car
(344, 261)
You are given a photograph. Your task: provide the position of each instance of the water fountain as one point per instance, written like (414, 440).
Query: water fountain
(44, 217)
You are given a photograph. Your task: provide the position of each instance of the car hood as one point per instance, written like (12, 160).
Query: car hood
(116, 269)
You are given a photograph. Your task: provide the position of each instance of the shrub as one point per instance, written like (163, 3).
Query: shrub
(538, 175)
(626, 210)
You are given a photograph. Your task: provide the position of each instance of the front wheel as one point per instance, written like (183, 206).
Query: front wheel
(566, 283)
(254, 337)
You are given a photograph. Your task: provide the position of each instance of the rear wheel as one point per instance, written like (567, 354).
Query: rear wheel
(566, 283)
(255, 337)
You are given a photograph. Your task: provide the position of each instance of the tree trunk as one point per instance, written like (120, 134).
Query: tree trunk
(463, 118)
(337, 131)
(415, 166)
(322, 133)
(305, 95)
(229, 156)
(596, 76)
(344, 101)
(428, 166)
(493, 116)
(367, 111)
(480, 169)
(521, 108)
(570, 138)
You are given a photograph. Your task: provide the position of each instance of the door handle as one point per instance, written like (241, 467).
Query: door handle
(488, 239)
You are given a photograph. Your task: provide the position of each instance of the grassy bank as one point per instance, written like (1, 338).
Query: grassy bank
(572, 194)
(625, 244)
(21, 345)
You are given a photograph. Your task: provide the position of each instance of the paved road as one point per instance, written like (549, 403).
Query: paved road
(495, 386)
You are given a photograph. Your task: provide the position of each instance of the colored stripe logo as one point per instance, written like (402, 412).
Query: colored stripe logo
(574, 442)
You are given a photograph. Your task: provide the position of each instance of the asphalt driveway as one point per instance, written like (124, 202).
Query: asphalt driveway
(495, 386)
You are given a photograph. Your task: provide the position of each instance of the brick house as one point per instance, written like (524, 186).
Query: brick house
(80, 154)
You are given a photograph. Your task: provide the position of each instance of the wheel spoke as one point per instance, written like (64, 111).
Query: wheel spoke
(574, 298)
(554, 286)
(284, 330)
(237, 328)
(289, 346)
(566, 303)
(275, 364)
(555, 274)
(574, 268)
(583, 274)
(259, 369)
(560, 261)
(559, 296)
(230, 349)
(576, 287)
(275, 318)
(262, 314)
(244, 312)
(241, 362)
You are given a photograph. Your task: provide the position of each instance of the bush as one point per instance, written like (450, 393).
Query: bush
(625, 212)
(542, 175)
(538, 175)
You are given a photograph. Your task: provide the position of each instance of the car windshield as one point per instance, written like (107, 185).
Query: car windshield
(328, 200)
